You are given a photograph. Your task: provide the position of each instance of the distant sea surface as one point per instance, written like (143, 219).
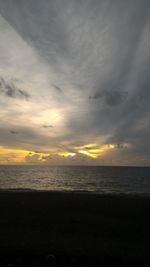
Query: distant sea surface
(103, 180)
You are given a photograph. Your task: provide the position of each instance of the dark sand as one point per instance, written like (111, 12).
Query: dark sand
(79, 229)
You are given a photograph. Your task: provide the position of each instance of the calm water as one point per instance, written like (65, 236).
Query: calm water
(76, 178)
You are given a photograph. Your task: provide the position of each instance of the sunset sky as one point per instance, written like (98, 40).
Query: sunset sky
(75, 82)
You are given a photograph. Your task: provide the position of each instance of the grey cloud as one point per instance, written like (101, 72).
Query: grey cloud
(105, 52)
(22, 137)
(9, 89)
(135, 125)
(29, 138)
(111, 98)
(13, 132)
(121, 146)
(47, 126)
(57, 88)
(24, 94)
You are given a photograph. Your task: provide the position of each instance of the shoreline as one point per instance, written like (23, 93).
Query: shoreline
(71, 224)
(80, 192)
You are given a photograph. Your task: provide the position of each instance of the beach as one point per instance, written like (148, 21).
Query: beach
(73, 225)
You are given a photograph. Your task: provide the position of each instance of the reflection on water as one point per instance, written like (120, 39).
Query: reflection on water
(77, 178)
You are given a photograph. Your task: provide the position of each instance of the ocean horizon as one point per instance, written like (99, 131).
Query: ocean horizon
(92, 179)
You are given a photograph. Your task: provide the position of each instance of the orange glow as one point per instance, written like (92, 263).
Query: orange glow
(10, 155)
(20, 156)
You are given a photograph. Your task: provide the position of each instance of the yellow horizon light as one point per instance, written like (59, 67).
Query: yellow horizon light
(12, 155)
(95, 153)
(87, 153)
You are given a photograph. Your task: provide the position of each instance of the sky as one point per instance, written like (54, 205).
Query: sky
(74, 82)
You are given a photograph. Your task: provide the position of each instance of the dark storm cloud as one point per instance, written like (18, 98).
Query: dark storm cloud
(9, 89)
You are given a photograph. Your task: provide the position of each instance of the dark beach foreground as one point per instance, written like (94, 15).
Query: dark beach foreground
(79, 229)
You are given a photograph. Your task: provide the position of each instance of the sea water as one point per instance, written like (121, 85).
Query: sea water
(96, 179)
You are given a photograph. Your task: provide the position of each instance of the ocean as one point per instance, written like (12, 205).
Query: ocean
(95, 179)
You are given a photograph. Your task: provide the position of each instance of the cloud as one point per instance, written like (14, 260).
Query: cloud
(57, 88)
(64, 52)
(56, 159)
(24, 94)
(111, 98)
(47, 126)
(9, 89)
(13, 132)
(32, 158)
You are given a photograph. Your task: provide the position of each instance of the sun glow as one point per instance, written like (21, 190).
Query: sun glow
(20, 156)
(50, 116)
(87, 153)
(95, 151)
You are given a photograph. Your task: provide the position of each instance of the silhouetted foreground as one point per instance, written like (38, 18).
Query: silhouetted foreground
(73, 229)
